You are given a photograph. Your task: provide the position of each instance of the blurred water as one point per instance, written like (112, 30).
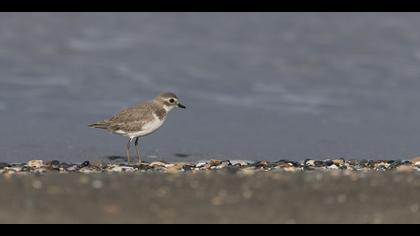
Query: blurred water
(257, 85)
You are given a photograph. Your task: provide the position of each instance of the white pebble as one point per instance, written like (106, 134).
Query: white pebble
(35, 163)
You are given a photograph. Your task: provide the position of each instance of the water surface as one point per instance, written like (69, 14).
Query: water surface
(257, 85)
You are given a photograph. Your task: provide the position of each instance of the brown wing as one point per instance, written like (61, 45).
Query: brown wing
(133, 118)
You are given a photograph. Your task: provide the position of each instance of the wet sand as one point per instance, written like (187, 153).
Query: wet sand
(212, 197)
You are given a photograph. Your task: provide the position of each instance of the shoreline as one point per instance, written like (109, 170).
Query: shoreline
(234, 166)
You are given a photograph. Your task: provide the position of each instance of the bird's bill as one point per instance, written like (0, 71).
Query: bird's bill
(181, 106)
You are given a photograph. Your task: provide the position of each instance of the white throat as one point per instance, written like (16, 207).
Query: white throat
(168, 108)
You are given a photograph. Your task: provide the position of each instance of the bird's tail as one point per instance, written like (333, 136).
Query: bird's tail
(99, 125)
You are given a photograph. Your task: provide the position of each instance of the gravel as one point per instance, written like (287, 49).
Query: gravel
(236, 166)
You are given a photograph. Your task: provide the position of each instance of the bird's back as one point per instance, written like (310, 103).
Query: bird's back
(132, 119)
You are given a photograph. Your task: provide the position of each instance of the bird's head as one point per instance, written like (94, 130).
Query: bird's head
(169, 101)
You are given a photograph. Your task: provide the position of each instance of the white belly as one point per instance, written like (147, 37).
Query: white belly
(148, 128)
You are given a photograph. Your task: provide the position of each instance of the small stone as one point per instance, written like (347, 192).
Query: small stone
(201, 164)
(120, 168)
(239, 163)
(382, 165)
(294, 164)
(26, 169)
(12, 170)
(404, 168)
(35, 163)
(214, 163)
(282, 164)
(40, 170)
(309, 163)
(181, 165)
(98, 164)
(395, 164)
(291, 169)
(88, 170)
(84, 164)
(415, 160)
(329, 163)
(64, 165)
(333, 167)
(19, 165)
(4, 165)
(188, 167)
(53, 163)
(72, 168)
(158, 164)
(223, 165)
(338, 162)
(175, 168)
(142, 166)
(263, 165)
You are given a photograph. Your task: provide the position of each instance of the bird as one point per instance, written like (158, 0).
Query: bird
(140, 120)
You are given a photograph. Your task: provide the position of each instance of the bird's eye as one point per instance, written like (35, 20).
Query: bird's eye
(171, 100)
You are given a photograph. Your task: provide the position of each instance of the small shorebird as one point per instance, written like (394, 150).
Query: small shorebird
(140, 120)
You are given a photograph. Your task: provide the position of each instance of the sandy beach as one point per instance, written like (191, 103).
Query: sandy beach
(212, 197)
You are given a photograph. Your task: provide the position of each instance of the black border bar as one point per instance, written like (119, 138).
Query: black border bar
(208, 5)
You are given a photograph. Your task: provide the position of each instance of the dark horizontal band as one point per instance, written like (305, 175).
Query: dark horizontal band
(208, 5)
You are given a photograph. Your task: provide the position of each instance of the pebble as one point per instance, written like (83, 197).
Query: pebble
(339, 162)
(84, 164)
(53, 163)
(231, 166)
(223, 165)
(157, 164)
(120, 168)
(415, 160)
(73, 168)
(201, 164)
(239, 163)
(175, 168)
(88, 170)
(35, 163)
(404, 168)
(333, 167)
(4, 165)
(264, 165)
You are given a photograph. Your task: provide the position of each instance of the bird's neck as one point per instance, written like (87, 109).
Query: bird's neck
(168, 108)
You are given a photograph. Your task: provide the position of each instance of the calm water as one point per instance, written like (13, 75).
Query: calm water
(257, 85)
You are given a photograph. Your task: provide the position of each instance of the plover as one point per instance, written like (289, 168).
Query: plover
(141, 119)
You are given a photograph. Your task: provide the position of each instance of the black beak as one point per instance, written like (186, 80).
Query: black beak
(181, 106)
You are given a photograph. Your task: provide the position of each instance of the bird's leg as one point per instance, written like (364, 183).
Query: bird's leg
(127, 149)
(138, 149)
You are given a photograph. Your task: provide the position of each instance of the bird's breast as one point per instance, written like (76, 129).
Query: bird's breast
(149, 127)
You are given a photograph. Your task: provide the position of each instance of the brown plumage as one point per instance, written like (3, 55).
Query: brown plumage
(141, 119)
(133, 118)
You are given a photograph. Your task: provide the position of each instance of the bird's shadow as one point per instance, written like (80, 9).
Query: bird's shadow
(116, 158)
(182, 155)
